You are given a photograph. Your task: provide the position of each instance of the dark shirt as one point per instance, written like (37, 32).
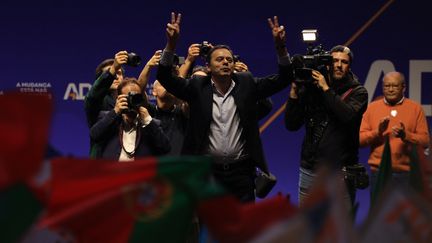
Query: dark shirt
(173, 123)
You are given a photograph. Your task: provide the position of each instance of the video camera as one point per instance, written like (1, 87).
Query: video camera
(316, 58)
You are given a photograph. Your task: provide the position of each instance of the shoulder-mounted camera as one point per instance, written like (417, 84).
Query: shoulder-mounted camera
(316, 58)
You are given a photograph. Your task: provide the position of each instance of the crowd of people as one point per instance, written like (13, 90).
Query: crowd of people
(214, 110)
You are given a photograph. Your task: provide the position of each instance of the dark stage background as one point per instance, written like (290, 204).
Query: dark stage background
(54, 46)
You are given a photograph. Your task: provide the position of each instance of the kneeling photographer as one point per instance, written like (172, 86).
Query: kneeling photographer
(128, 131)
(327, 98)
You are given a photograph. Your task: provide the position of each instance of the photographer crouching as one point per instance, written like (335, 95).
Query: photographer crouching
(128, 131)
(330, 104)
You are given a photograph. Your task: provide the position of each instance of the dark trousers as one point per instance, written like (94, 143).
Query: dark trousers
(238, 178)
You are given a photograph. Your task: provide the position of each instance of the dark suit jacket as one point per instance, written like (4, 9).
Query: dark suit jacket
(106, 133)
(248, 90)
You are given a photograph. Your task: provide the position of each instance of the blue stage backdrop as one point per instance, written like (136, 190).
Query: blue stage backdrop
(55, 46)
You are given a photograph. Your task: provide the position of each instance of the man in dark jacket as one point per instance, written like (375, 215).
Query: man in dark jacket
(331, 110)
(128, 131)
(223, 119)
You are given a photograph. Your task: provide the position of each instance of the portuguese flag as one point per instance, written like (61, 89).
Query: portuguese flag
(229, 220)
(148, 200)
(384, 173)
(24, 126)
(19, 209)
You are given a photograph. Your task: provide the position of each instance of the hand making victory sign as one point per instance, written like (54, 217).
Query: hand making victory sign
(278, 32)
(173, 31)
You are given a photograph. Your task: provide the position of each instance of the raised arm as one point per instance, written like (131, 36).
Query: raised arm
(279, 37)
(272, 84)
(145, 73)
(173, 32)
(193, 53)
(175, 85)
(101, 87)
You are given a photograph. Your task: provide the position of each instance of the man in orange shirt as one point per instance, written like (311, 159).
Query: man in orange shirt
(400, 119)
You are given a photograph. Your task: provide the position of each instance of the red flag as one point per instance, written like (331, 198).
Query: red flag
(24, 124)
(149, 199)
(229, 220)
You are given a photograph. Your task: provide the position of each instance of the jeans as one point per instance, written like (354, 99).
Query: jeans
(306, 181)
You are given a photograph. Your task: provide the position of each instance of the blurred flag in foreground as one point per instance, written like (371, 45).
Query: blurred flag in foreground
(24, 124)
(148, 200)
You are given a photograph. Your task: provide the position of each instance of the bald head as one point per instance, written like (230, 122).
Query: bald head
(393, 87)
(395, 76)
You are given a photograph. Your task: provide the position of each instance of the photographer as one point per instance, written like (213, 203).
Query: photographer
(128, 130)
(102, 95)
(330, 107)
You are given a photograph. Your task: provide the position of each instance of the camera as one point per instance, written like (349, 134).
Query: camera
(356, 175)
(204, 49)
(178, 60)
(316, 58)
(236, 58)
(135, 100)
(133, 60)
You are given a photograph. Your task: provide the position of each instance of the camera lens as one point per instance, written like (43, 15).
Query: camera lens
(135, 100)
(204, 49)
(133, 60)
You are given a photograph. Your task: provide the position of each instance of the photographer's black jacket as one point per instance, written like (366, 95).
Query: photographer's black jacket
(106, 135)
(332, 123)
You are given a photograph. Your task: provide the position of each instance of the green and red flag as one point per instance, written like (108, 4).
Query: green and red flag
(24, 127)
(19, 209)
(416, 174)
(384, 173)
(148, 200)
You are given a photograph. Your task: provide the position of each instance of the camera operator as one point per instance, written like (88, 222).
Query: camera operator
(330, 107)
(139, 135)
